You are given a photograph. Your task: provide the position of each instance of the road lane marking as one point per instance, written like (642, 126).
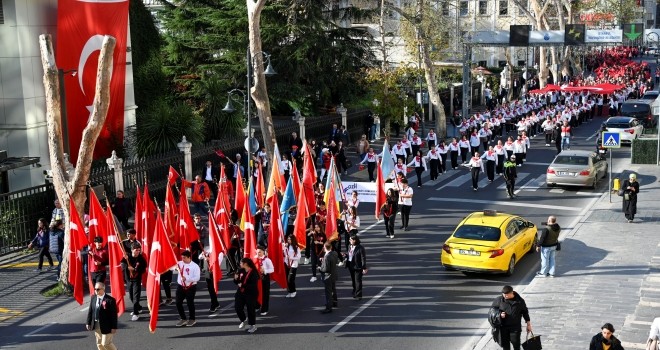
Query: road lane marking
(31, 334)
(7, 314)
(519, 179)
(23, 264)
(358, 311)
(507, 203)
(592, 136)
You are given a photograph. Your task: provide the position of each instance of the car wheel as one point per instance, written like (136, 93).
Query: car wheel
(512, 266)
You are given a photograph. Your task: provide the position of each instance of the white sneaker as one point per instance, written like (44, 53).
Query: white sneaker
(313, 279)
(306, 261)
(135, 318)
(293, 295)
(132, 313)
(341, 263)
(242, 325)
(252, 329)
(264, 313)
(288, 295)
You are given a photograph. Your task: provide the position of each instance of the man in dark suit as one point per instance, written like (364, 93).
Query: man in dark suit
(102, 317)
(357, 265)
(211, 175)
(329, 275)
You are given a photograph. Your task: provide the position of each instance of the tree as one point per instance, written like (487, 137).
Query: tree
(68, 184)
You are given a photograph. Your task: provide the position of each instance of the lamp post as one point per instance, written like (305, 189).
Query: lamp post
(251, 144)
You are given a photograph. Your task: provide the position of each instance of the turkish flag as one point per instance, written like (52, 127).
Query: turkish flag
(172, 176)
(187, 231)
(115, 255)
(81, 25)
(240, 200)
(247, 224)
(78, 242)
(216, 249)
(276, 243)
(300, 223)
(161, 259)
(380, 192)
(97, 220)
(148, 221)
(309, 179)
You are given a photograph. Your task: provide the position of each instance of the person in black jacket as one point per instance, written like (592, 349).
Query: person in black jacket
(548, 243)
(135, 265)
(605, 338)
(41, 240)
(102, 317)
(329, 274)
(357, 265)
(121, 207)
(246, 295)
(512, 309)
(630, 190)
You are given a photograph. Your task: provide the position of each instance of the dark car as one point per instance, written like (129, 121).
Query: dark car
(650, 95)
(640, 109)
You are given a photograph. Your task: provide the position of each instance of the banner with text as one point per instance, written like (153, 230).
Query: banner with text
(366, 190)
(604, 36)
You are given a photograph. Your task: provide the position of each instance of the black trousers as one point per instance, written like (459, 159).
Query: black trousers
(241, 301)
(464, 154)
(330, 292)
(166, 282)
(356, 280)
(454, 159)
(389, 225)
(443, 162)
(212, 294)
(500, 164)
(134, 291)
(415, 148)
(44, 252)
(290, 278)
(510, 338)
(405, 215)
(419, 171)
(435, 165)
(371, 166)
(519, 158)
(314, 260)
(189, 295)
(510, 187)
(490, 169)
(475, 176)
(265, 294)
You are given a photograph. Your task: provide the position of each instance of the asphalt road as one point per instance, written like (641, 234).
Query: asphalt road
(410, 301)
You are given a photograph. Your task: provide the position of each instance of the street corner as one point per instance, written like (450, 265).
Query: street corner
(8, 314)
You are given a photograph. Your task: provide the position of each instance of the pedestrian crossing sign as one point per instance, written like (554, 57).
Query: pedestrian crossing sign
(611, 139)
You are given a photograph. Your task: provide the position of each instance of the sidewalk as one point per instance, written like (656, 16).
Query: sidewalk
(607, 271)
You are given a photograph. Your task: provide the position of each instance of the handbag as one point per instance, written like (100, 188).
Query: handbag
(626, 196)
(620, 193)
(558, 246)
(533, 343)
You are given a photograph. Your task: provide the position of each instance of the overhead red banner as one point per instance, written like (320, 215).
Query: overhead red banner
(81, 25)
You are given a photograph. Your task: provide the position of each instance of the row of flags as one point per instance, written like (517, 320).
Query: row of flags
(163, 236)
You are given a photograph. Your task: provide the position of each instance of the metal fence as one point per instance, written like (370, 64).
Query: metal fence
(19, 212)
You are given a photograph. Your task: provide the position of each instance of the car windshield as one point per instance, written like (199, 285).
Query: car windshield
(617, 124)
(572, 160)
(635, 109)
(481, 233)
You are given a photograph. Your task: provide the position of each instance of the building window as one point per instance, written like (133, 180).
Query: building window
(482, 64)
(445, 8)
(483, 7)
(501, 64)
(521, 63)
(504, 7)
(464, 8)
(524, 5)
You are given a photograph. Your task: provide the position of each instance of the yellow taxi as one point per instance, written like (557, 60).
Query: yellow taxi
(488, 241)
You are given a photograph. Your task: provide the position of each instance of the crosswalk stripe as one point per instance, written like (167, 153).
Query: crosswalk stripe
(534, 184)
(521, 176)
(457, 182)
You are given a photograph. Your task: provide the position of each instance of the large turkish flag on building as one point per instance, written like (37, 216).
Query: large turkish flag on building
(81, 25)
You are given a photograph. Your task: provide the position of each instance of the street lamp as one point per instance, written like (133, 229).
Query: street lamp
(251, 144)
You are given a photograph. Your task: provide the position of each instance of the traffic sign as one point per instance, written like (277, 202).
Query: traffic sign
(633, 31)
(611, 140)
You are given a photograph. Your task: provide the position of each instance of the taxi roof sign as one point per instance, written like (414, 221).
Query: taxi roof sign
(611, 139)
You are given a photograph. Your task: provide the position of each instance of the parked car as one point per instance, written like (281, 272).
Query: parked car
(576, 168)
(488, 241)
(650, 95)
(642, 110)
(630, 128)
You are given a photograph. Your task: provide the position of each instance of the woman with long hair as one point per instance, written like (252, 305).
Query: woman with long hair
(291, 259)
(318, 238)
(246, 278)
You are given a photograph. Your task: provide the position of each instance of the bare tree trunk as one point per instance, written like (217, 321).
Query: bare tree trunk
(259, 91)
(381, 31)
(67, 186)
(509, 90)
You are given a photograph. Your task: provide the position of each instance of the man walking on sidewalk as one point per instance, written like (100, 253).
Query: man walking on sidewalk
(548, 243)
(512, 309)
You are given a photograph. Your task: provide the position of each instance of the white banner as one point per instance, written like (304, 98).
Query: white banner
(604, 36)
(366, 190)
(546, 36)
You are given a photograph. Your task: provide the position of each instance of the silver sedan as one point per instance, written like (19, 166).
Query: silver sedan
(576, 168)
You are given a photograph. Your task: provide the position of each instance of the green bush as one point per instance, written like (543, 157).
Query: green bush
(644, 151)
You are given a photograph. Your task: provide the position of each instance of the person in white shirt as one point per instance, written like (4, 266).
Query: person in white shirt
(292, 256)
(501, 153)
(491, 162)
(419, 162)
(265, 268)
(351, 223)
(407, 145)
(286, 166)
(371, 159)
(434, 162)
(187, 279)
(353, 202)
(548, 128)
(519, 150)
(454, 152)
(405, 203)
(432, 138)
(400, 168)
(476, 167)
(263, 158)
(464, 145)
(399, 151)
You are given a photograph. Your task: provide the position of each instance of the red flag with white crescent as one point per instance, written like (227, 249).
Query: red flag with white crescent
(78, 240)
(81, 26)
(115, 255)
(161, 259)
(276, 244)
